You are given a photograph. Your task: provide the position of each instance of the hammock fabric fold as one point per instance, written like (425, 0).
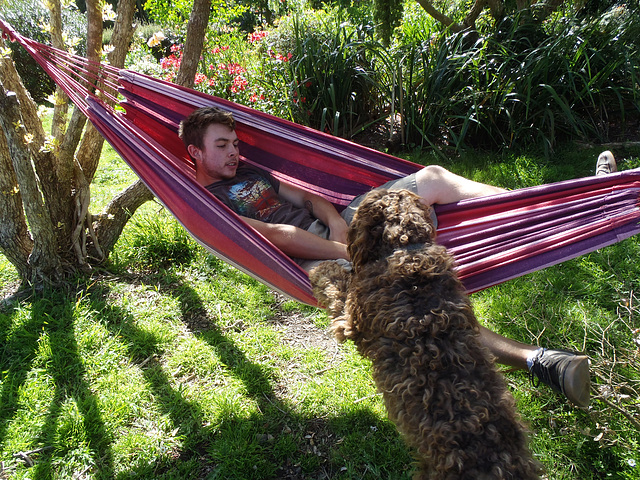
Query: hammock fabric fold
(493, 239)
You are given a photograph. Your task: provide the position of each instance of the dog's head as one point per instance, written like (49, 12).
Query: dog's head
(388, 220)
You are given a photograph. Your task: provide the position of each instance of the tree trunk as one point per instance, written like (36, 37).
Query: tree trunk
(15, 242)
(44, 260)
(196, 30)
(110, 224)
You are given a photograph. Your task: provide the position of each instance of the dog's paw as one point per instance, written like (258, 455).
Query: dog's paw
(330, 281)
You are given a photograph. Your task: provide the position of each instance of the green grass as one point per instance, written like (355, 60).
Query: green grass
(174, 365)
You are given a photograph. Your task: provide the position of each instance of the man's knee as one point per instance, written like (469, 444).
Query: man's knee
(432, 173)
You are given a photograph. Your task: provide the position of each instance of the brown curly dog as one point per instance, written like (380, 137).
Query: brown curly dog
(406, 310)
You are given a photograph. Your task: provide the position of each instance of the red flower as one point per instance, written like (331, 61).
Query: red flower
(257, 36)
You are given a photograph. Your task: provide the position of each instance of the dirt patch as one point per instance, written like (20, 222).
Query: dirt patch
(300, 332)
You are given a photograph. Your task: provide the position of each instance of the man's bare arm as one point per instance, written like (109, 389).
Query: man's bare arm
(319, 207)
(299, 243)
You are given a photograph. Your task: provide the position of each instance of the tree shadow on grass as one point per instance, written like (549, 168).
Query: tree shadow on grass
(273, 441)
(240, 447)
(52, 316)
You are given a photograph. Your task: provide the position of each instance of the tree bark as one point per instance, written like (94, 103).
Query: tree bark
(61, 101)
(196, 30)
(428, 7)
(496, 7)
(470, 19)
(110, 224)
(15, 242)
(122, 33)
(44, 260)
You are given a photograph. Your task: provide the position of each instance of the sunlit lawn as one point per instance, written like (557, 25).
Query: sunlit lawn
(171, 364)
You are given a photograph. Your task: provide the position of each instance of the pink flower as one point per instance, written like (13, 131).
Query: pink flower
(170, 62)
(235, 69)
(200, 78)
(279, 57)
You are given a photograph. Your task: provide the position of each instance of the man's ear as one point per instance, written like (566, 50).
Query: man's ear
(195, 152)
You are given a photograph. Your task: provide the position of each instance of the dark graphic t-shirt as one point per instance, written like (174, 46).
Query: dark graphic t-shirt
(253, 193)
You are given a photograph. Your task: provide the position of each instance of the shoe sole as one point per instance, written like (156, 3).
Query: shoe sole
(577, 381)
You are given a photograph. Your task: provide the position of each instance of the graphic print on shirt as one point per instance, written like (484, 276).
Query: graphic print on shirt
(254, 198)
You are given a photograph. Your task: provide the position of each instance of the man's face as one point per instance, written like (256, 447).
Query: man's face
(218, 159)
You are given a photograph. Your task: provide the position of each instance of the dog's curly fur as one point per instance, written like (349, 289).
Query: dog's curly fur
(406, 310)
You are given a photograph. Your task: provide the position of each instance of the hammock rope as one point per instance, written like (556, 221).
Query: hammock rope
(493, 239)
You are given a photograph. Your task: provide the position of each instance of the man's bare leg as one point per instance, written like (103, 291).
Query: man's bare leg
(564, 371)
(507, 351)
(438, 185)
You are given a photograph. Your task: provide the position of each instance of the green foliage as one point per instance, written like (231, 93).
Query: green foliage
(387, 15)
(158, 241)
(174, 14)
(31, 19)
(329, 74)
(524, 84)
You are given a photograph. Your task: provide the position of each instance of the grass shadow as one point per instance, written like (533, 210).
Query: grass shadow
(237, 447)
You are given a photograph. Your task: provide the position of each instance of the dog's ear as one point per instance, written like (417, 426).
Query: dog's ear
(366, 231)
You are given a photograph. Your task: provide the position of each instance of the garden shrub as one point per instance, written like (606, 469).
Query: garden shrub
(330, 75)
(29, 18)
(524, 84)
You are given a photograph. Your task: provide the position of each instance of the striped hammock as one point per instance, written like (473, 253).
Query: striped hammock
(493, 239)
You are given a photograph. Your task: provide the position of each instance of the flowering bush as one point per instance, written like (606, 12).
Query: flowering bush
(315, 75)
(236, 71)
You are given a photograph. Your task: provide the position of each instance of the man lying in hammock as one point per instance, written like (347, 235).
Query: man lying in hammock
(309, 229)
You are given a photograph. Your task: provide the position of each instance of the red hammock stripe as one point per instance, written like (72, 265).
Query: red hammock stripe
(493, 239)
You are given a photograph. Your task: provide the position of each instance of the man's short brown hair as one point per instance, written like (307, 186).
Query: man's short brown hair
(193, 128)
